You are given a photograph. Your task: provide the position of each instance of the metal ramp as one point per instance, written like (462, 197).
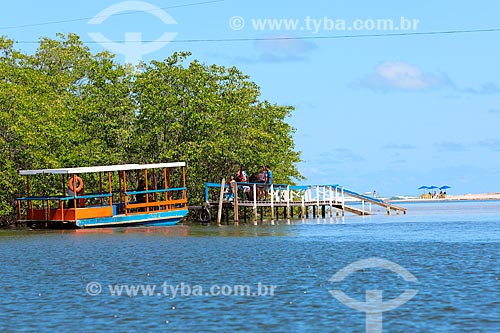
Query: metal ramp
(376, 201)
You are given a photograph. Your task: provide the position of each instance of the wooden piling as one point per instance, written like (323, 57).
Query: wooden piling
(272, 204)
(221, 198)
(255, 205)
(331, 202)
(288, 197)
(236, 203)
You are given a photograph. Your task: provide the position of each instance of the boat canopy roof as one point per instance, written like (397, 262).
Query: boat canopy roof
(105, 168)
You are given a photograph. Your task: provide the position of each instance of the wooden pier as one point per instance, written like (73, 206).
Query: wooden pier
(319, 200)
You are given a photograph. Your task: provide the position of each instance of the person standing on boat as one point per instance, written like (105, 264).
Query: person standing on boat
(141, 197)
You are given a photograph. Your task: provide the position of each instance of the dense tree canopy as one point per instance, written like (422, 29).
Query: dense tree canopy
(64, 107)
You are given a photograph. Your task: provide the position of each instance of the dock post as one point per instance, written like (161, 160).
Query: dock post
(255, 204)
(303, 208)
(363, 207)
(221, 198)
(331, 203)
(317, 201)
(388, 210)
(288, 203)
(323, 214)
(336, 201)
(236, 203)
(343, 201)
(272, 204)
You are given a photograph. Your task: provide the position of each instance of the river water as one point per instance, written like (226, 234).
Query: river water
(266, 278)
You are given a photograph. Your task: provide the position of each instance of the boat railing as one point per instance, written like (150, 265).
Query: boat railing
(58, 207)
(168, 203)
(61, 198)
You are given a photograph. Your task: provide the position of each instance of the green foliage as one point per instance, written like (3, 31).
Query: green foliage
(64, 106)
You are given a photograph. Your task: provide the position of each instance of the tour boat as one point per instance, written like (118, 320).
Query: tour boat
(104, 196)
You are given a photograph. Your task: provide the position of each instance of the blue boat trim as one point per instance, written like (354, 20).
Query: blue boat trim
(151, 219)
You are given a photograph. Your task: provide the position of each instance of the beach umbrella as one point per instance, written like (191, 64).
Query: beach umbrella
(423, 187)
(432, 187)
(444, 187)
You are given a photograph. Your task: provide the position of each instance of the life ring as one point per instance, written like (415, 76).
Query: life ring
(204, 215)
(79, 181)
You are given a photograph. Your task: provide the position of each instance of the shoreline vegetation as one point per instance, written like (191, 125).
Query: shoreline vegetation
(64, 106)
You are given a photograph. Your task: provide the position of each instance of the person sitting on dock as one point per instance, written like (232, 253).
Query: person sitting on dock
(261, 179)
(241, 177)
(230, 189)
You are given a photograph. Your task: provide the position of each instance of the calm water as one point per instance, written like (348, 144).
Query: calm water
(452, 249)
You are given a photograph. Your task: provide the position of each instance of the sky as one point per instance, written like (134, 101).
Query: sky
(372, 112)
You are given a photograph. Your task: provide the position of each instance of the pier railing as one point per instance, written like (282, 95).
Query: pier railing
(289, 196)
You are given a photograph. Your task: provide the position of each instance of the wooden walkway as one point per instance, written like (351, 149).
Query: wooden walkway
(318, 198)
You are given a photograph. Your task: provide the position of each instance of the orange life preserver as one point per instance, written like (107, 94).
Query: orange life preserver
(79, 182)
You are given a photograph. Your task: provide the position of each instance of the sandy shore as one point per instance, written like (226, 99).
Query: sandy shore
(477, 196)
(469, 196)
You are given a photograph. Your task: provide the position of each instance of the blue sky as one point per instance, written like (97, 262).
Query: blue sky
(373, 113)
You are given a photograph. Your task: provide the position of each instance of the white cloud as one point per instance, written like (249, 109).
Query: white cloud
(285, 44)
(447, 146)
(398, 146)
(402, 76)
(492, 144)
(275, 48)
